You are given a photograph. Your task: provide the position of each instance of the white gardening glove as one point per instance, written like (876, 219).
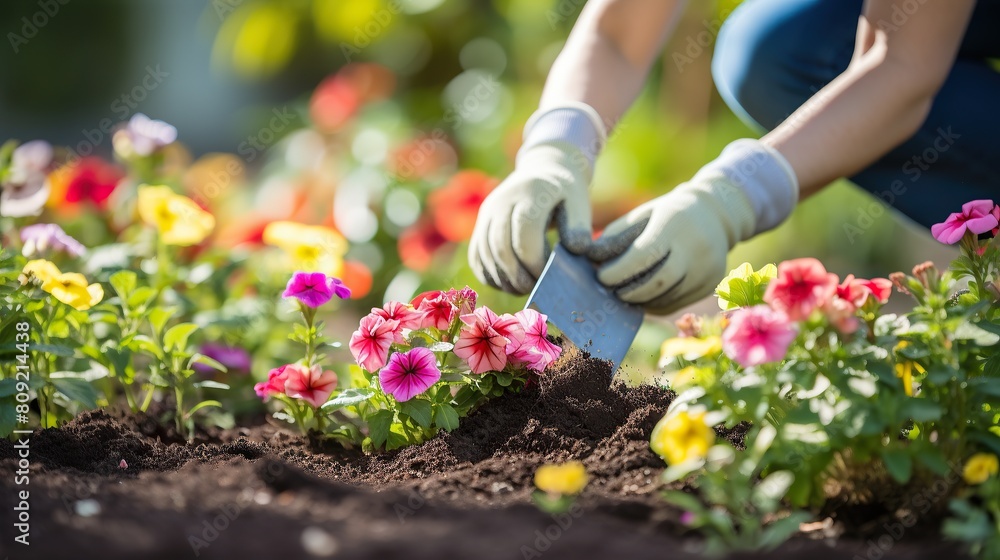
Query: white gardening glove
(550, 182)
(671, 251)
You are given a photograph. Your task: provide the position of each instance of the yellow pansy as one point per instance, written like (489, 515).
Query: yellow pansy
(689, 377)
(690, 347)
(980, 467)
(72, 289)
(904, 370)
(179, 219)
(40, 269)
(565, 479)
(311, 248)
(743, 287)
(681, 437)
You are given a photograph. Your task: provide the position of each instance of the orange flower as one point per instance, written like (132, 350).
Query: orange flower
(357, 277)
(418, 243)
(455, 206)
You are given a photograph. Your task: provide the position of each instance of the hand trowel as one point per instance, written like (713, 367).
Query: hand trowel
(588, 314)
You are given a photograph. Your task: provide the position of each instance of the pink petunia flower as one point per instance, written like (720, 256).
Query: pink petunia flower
(976, 217)
(802, 285)
(757, 335)
(312, 385)
(464, 299)
(535, 351)
(409, 374)
(996, 214)
(437, 312)
(857, 290)
(315, 288)
(842, 315)
(370, 343)
(487, 339)
(407, 317)
(275, 384)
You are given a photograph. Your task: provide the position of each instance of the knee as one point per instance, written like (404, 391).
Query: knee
(772, 55)
(750, 63)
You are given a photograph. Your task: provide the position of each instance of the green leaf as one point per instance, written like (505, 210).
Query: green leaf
(378, 427)
(921, 410)
(419, 410)
(198, 358)
(7, 387)
(158, 317)
(8, 416)
(347, 397)
(201, 405)
(141, 297)
(933, 459)
(780, 531)
(209, 384)
(78, 390)
(54, 349)
(123, 282)
(177, 336)
(445, 417)
(89, 375)
(899, 463)
(396, 439)
(684, 501)
(504, 378)
(986, 385)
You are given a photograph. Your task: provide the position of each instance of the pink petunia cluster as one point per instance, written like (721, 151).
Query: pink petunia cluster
(485, 341)
(297, 381)
(762, 334)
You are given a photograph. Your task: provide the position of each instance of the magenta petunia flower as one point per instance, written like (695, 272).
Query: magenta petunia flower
(976, 217)
(275, 384)
(312, 385)
(802, 285)
(487, 339)
(535, 351)
(315, 288)
(407, 317)
(409, 374)
(437, 312)
(370, 343)
(42, 238)
(235, 359)
(757, 335)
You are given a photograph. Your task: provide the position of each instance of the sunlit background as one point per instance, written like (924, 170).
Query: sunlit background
(388, 120)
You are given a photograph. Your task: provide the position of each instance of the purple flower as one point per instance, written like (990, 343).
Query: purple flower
(235, 359)
(26, 188)
(40, 238)
(315, 288)
(409, 374)
(144, 136)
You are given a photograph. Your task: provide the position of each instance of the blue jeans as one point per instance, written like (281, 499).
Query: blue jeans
(773, 55)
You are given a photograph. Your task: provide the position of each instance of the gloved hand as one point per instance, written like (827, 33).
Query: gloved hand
(550, 181)
(671, 251)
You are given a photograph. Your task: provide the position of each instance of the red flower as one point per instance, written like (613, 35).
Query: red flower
(455, 206)
(438, 312)
(333, 103)
(857, 290)
(89, 179)
(418, 244)
(802, 285)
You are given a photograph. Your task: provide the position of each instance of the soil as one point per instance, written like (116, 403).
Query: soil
(262, 492)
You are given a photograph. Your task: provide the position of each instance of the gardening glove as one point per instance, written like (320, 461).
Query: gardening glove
(550, 182)
(671, 251)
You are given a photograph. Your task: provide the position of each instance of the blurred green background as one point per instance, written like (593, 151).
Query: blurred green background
(471, 70)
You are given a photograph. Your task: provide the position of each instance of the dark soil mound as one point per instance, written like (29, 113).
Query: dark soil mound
(262, 492)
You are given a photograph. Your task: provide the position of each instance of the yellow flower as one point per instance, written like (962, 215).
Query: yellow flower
(179, 219)
(682, 437)
(688, 377)
(40, 269)
(72, 289)
(565, 479)
(904, 370)
(980, 467)
(311, 248)
(743, 287)
(689, 347)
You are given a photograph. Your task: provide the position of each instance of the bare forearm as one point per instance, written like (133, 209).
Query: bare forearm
(608, 54)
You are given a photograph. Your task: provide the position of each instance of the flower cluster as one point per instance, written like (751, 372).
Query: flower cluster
(833, 387)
